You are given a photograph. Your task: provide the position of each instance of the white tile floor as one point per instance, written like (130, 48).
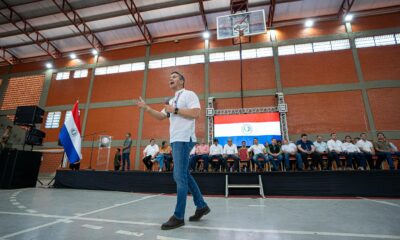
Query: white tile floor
(39, 213)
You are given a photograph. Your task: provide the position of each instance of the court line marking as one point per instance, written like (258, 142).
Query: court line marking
(381, 202)
(247, 230)
(94, 227)
(74, 217)
(168, 238)
(123, 232)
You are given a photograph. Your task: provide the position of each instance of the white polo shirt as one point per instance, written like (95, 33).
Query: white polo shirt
(230, 149)
(216, 150)
(257, 149)
(365, 146)
(182, 129)
(350, 148)
(289, 148)
(334, 145)
(151, 150)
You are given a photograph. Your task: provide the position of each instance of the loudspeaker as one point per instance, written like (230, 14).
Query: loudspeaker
(19, 169)
(34, 137)
(28, 115)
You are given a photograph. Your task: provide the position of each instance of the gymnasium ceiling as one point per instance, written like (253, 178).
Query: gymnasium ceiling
(32, 30)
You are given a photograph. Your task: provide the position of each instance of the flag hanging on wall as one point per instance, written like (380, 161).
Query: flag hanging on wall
(70, 135)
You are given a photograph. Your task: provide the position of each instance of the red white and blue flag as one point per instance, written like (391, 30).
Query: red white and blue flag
(246, 127)
(70, 135)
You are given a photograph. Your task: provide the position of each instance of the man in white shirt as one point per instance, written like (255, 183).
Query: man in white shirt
(216, 151)
(258, 151)
(367, 148)
(321, 148)
(335, 150)
(231, 152)
(182, 110)
(149, 153)
(352, 152)
(290, 149)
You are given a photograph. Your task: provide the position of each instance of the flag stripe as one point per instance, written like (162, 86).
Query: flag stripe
(239, 118)
(253, 129)
(69, 148)
(75, 114)
(249, 139)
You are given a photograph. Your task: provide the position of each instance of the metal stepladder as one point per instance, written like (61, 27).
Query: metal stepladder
(259, 186)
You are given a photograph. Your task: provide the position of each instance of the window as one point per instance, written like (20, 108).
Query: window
(340, 44)
(322, 46)
(168, 62)
(398, 38)
(384, 40)
(197, 59)
(182, 61)
(62, 75)
(101, 71)
(249, 53)
(232, 55)
(53, 120)
(112, 69)
(138, 66)
(303, 48)
(81, 73)
(217, 57)
(286, 50)
(125, 67)
(155, 64)
(365, 42)
(264, 52)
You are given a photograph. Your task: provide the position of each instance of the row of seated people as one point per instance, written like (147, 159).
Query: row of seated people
(357, 153)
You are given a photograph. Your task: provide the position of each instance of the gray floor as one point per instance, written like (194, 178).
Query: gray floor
(41, 213)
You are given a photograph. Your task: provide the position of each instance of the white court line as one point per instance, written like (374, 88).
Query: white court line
(381, 202)
(136, 234)
(228, 229)
(74, 217)
(256, 205)
(94, 227)
(31, 211)
(168, 238)
(21, 207)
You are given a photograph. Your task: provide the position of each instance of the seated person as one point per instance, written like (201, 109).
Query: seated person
(274, 154)
(117, 159)
(335, 150)
(201, 152)
(149, 153)
(306, 148)
(383, 151)
(396, 152)
(231, 152)
(321, 148)
(367, 149)
(352, 152)
(191, 155)
(164, 155)
(258, 151)
(216, 151)
(290, 149)
(244, 155)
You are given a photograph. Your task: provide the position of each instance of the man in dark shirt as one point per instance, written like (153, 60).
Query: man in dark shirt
(306, 148)
(274, 152)
(383, 151)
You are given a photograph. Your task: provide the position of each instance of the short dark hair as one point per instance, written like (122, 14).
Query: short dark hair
(163, 143)
(118, 149)
(347, 136)
(215, 140)
(129, 134)
(333, 133)
(152, 139)
(363, 133)
(303, 135)
(181, 77)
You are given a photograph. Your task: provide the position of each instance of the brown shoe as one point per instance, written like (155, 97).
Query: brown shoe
(199, 214)
(172, 223)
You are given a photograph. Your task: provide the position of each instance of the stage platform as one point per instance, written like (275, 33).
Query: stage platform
(321, 183)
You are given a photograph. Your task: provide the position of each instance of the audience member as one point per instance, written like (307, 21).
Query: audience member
(306, 149)
(274, 154)
(231, 152)
(216, 151)
(321, 148)
(335, 150)
(149, 154)
(117, 159)
(258, 151)
(201, 152)
(126, 151)
(290, 149)
(367, 149)
(352, 152)
(244, 155)
(383, 151)
(165, 155)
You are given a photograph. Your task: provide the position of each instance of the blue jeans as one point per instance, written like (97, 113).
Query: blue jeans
(184, 181)
(160, 159)
(384, 156)
(275, 163)
(196, 158)
(126, 160)
(256, 157)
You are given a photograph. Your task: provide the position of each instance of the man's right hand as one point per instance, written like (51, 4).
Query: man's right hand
(141, 103)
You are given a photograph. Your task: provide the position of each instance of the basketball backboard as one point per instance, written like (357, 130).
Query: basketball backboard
(241, 24)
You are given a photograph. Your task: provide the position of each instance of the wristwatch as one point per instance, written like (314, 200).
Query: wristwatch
(176, 110)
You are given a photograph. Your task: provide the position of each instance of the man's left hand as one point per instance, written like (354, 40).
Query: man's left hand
(169, 108)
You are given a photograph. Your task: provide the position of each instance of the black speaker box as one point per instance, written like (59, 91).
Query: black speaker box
(28, 115)
(34, 137)
(19, 169)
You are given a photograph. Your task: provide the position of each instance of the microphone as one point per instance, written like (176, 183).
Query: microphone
(166, 101)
